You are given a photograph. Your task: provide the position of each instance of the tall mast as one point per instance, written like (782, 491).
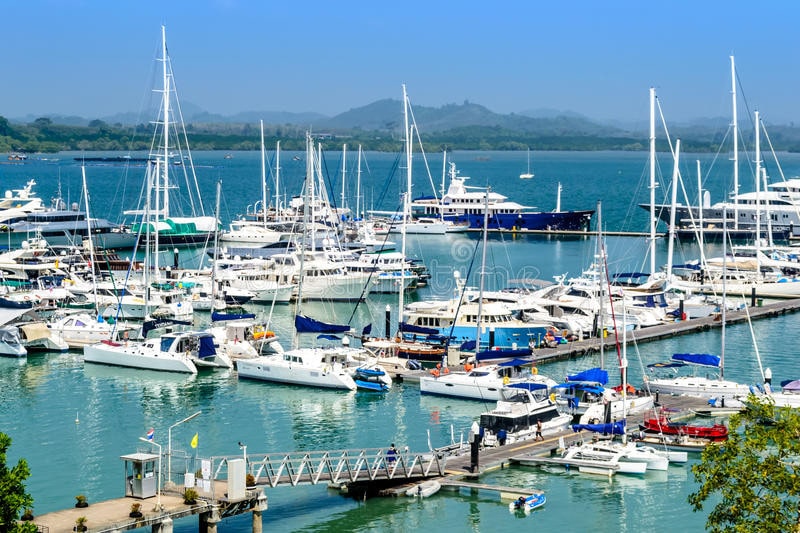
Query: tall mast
(277, 181)
(758, 193)
(89, 236)
(406, 195)
(165, 101)
(344, 173)
(358, 185)
(263, 177)
(214, 261)
(671, 243)
(483, 274)
(653, 220)
(301, 249)
(444, 174)
(735, 149)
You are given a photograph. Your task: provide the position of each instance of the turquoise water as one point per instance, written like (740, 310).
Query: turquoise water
(72, 422)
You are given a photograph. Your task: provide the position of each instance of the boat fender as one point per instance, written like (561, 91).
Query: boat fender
(506, 380)
(553, 397)
(534, 371)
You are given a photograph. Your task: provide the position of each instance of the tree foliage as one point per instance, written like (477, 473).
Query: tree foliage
(13, 498)
(755, 473)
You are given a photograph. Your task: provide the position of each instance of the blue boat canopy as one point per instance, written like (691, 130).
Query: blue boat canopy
(666, 365)
(219, 317)
(150, 325)
(587, 386)
(410, 328)
(614, 428)
(501, 354)
(305, 324)
(516, 362)
(467, 345)
(327, 337)
(704, 359)
(528, 386)
(593, 374)
(206, 346)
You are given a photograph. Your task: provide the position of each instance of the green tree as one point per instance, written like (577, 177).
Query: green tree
(13, 498)
(754, 475)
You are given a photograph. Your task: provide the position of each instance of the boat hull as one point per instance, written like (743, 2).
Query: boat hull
(134, 357)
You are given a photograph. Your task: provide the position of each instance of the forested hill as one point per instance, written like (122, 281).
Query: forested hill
(377, 126)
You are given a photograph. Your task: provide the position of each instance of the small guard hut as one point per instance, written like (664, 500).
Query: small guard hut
(141, 475)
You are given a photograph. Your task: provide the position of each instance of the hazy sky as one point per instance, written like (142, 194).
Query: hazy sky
(598, 58)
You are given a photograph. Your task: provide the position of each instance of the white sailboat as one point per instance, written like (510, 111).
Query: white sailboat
(527, 175)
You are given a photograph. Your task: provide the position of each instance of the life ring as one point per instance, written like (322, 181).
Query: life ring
(534, 371)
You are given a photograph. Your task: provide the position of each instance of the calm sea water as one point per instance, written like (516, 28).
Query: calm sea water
(72, 421)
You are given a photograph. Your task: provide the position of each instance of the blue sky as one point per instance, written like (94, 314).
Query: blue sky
(598, 58)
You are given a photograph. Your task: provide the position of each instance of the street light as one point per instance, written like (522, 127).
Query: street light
(169, 444)
(158, 479)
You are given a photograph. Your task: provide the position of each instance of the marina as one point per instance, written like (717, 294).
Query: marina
(106, 409)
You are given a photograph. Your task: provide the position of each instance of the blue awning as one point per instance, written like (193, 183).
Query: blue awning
(703, 359)
(304, 324)
(593, 374)
(614, 428)
(410, 328)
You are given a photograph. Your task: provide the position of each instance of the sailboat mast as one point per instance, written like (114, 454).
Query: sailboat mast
(277, 181)
(483, 274)
(358, 185)
(165, 100)
(671, 243)
(263, 177)
(401, 295)
(758, 194)
(216, 244)
(89, 237)
(301, 247)
(653, 219)
(599, 250)
(344, 173)
(444, 175)
(724, 290)
(735, 126)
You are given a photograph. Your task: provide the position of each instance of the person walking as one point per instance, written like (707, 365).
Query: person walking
(539, 430)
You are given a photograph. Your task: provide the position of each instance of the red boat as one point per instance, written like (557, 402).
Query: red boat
(662, 424)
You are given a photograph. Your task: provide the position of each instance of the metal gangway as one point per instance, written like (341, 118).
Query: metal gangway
(335, 466)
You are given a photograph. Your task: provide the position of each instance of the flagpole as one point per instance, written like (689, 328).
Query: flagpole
(169, 444)
(158, 479)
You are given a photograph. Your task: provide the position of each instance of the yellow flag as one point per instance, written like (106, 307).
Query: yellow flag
(194, 441)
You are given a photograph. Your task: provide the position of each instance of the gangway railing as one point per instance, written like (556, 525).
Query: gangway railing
(336, 466)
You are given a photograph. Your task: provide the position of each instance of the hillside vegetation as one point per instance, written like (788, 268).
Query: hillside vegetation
(377, 126)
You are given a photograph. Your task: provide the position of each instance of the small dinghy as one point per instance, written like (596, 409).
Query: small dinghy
(527, 503)
(424, 489)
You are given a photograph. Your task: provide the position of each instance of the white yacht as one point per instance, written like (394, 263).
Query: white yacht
(517, 413)
(483, 382)
(314, 367)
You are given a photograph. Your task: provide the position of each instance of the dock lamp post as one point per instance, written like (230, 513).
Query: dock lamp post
(169, 444)
(158, 479)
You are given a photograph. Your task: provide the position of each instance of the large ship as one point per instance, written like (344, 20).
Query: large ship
(466, 205)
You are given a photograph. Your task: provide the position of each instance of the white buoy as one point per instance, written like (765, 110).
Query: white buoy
(77, 420)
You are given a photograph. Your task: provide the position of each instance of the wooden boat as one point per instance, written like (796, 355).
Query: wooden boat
(424, 489)
(528, 503)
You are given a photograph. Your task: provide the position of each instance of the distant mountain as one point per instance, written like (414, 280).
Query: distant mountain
(386, 116)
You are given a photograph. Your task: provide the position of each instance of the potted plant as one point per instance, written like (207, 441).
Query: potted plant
(27, 515)
(190, 496)
(135, 510)
(80, 524)
(250, 481)
(81, 501)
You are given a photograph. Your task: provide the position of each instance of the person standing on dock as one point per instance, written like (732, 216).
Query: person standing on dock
(539, 430)
(391, 455)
